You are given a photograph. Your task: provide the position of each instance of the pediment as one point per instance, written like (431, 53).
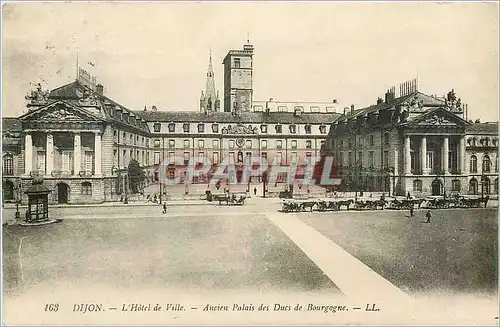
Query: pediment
(419, 101)
(439, 117)
(60, 111)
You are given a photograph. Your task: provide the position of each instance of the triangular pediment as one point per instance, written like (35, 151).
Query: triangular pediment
(419, 100)
(438, 117)
(60, 111)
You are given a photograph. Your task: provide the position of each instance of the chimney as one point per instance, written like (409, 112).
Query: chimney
(352, 108)
(334, 100)
(154, 109)
(389, 97)
(99, 89)
(379, 100)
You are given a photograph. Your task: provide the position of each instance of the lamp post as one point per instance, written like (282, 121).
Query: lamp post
(392, 171)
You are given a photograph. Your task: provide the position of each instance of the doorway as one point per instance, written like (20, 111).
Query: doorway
(62, 193)
(436, 187)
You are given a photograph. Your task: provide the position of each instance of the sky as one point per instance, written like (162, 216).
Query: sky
(149, 54)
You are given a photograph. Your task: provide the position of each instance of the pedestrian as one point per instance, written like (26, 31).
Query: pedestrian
(155, 199)
(411, 211)
(428, 216)
(408, 196)
(255, 191)
(164, 207)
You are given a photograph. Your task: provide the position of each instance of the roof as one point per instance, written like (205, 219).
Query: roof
(244, 117)
(428, 101)
(483, 128)
(11, 124)
(72, 91)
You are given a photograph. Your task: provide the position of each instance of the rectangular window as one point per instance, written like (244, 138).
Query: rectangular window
(349, 159)
(201, 128)
(249, 144)
(171, 155)
(215, 144)
(231, 158)
(307, 129)
(430, 160)
(279, 144)
(231, 144)
(237, 63)
(360, 159)
(201, 156)
(89, 160)
(186, 144)
(258, 108)
(308, 158)
(215, 128)
(294, 144)
(282, 109)
(185, 127)
(386, 159)
(279, 158)
(293, 158)
(263, 155)
(186, 158)
(263, 129)
(171, 144)
(308, 144)
(263, 144)
(293, 129)
(278, 129)
(156, 143)
(171, 128)
(201, 144)
(372, 140)
(147, 158)
(315, 109)
(322, 129)
(371, 159)
(387, 137)
(86, 188)
(215, 158)
(455, 185)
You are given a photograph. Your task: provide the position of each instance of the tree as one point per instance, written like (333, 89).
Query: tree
(136, 176)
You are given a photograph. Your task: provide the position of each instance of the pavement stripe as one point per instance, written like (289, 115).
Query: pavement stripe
(353, 277)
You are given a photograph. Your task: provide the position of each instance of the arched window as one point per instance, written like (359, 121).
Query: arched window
(8, 164)
(417, 185)
(486, 185)
(473, 186)
(86, 188)
(486, 164)
(473, 164)
(455, 185)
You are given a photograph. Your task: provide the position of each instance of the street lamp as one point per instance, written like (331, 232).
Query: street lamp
(393, 172)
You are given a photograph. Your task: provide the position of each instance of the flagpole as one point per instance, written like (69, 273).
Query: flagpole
(76, 63)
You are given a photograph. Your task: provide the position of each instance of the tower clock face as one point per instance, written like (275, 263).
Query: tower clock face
(240, 142)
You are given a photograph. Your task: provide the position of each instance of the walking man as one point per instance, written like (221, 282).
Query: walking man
(255, 191)
(411, 211)
(428, 216)
(164, 207)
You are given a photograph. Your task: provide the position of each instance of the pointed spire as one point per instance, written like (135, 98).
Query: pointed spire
(210, 68)
(248, 38)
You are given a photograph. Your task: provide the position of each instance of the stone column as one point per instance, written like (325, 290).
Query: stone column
(461, 157)
(97, 154)
(407, 155)
(423, 156)
(77, 146)
(49, 154)
(446, 149)
(28, 154)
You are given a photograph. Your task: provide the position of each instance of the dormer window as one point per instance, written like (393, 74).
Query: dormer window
(237, 63)
(157, 127)
(279, 129)
(201, 128)
(293, 129)
(171, 127)
(215, 128)
(263, 128)
(322, 129)
(185, 127)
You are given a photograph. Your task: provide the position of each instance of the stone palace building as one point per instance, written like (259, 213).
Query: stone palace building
(415, 143)
(81, 141)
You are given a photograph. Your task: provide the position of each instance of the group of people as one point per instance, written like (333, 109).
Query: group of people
(427, 215)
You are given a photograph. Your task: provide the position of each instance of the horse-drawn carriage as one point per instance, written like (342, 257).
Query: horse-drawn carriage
(457, 202)
(229, 199)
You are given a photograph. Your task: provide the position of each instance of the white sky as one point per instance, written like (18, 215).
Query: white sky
(157, 53)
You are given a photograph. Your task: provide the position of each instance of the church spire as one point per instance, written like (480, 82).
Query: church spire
(210, 100)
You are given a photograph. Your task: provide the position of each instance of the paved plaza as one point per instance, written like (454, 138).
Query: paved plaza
(204, 247)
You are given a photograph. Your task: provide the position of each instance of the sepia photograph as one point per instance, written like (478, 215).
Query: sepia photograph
(270, 163)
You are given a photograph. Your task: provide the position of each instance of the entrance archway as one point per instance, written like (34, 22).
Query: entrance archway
(8, 191)
(436, 187)
(62, 193)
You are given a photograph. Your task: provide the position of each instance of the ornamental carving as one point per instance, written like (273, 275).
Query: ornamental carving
(37, 97)
(87, 97)
(438, 121)
(60, 113)
(240, 129)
